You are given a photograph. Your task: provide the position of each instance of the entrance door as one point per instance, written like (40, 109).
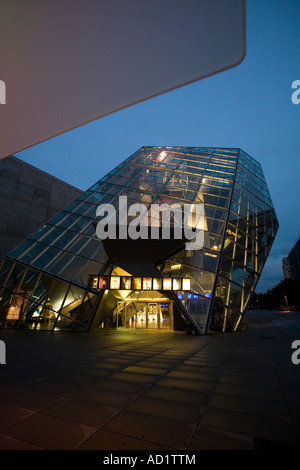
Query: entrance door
(150, 315)
(141, 317)
(165, 316)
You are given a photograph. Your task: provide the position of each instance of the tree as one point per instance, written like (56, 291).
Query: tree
(285, 294)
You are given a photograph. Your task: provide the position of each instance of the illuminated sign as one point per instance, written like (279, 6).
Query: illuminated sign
(157, 283)
(126, 283)
(186, 284)
(138, 283)
(103, 282)
(147, 283)
(176, 283)
(115, 282)
(93, 282)
(167, 283)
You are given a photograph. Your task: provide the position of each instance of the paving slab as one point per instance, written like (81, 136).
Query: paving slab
(167, 409)
(112, 398)
(274, 429)
(50, 432)
(10, 443)
(104, 440)
(156, 429)
(215, 439)
(82, 412)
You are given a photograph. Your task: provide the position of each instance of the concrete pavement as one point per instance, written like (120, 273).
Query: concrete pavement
(132, 390)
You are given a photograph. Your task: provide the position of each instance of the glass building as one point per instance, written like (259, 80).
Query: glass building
(64, 276)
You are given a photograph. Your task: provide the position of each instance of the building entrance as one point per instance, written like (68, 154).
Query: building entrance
(144, 315)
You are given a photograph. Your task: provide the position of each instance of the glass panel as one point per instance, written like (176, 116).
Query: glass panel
(5, 270)
(47, 234)
(77, 312)
(90, 248)
(198, 307)
(81, 276)
(217, 319)
(209, 261)
(20, 249)
(233, 317)
(74, 267)
(235, 297)
(41, 232)
(59, 263)
(44, 257)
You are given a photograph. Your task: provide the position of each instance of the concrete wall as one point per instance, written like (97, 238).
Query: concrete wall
(28, 198)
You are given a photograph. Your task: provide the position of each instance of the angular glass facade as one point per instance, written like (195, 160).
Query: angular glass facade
(45, 282)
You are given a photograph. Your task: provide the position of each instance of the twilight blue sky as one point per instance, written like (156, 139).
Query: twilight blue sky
(248, 106)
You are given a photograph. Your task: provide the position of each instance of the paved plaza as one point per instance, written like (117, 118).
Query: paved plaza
(143, 390)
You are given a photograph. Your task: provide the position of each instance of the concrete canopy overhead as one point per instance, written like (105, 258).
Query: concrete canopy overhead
(64, 63)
